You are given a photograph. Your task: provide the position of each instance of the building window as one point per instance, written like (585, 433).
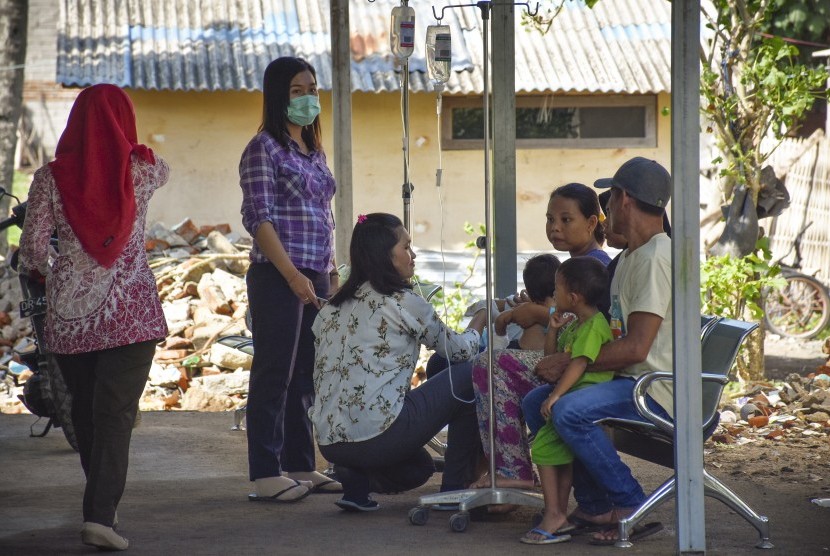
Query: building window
(558, 122)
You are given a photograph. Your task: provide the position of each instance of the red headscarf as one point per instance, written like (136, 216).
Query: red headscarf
(92, 170)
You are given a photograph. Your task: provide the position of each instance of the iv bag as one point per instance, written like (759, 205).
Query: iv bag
(402, 31)
(439, 52)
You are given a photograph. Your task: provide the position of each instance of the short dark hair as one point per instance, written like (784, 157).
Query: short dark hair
(539, 276)
(587, 277)
(588, 203)
(647, 208)
(370, 253)
(276, 95)
(606, 195)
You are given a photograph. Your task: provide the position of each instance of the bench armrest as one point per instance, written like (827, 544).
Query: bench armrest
(642, 386)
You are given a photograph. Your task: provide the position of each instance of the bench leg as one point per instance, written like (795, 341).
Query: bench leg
(716, 489)
(663, 493)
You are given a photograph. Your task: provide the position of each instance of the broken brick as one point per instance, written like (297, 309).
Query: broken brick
(758, 421)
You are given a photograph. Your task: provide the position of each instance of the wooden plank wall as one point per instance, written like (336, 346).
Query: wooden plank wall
(805, 164)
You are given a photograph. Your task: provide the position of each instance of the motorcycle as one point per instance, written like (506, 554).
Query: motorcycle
(45, 393)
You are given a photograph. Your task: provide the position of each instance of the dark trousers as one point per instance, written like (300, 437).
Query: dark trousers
(281, 388)
(396, 460)
(106, 386)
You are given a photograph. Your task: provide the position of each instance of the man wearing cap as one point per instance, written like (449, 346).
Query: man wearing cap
(604, 488)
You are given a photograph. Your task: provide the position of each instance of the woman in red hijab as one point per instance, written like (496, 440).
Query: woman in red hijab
(104, 317)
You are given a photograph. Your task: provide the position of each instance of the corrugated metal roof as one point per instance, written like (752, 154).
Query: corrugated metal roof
(620, 46)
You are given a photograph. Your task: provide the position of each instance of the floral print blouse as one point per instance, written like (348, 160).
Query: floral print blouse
(366, 352)
(91, 307)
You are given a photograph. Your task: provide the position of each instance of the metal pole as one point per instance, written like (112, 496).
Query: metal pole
(341, 100)
(503, 66)
(685, 158)
(488, 236)
(406, 189)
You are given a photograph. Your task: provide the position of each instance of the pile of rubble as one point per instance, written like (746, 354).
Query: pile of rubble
(797, 409)
(200, 278)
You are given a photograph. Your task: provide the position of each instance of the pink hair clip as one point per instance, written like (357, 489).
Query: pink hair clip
(361, 218)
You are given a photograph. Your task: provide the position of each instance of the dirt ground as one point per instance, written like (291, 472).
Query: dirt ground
(187, 486)
(802, 460)
(800, 465)
(783, 356)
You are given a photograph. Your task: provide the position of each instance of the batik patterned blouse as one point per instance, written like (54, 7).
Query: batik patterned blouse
(90, 307)
(366, 352)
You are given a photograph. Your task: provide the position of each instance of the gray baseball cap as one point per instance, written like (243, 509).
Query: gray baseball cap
(643, 179)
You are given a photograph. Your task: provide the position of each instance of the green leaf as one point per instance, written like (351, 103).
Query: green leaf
(192, 361)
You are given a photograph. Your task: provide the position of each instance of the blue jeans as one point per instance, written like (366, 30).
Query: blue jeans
(601, 480)
(532, 406)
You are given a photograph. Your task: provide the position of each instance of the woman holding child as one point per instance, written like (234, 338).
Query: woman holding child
(368, 421)
(574, 224)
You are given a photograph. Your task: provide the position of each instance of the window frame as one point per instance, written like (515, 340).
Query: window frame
(649, 102)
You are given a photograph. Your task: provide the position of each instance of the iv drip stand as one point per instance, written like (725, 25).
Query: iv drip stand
(407, 187)
(473, 498)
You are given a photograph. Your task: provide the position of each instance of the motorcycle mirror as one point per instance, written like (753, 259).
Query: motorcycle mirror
(4, 193)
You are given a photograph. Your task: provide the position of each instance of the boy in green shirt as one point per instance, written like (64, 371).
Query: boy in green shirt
(579, 328)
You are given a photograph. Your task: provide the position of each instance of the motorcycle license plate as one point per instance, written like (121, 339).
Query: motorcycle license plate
(33, 307)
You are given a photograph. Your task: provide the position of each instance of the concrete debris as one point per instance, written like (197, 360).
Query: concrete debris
(229, 358)
(217, 392)
(798, 408)
(165, 376)
(200, 276)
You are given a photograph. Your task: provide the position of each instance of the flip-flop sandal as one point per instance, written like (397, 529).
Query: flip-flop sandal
(276, 497)
(320, 488)
(638, 533)
(546, 537)
(582, 526)
(567, 528)
(349, 506)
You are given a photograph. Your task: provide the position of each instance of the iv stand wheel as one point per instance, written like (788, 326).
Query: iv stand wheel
(419, 515)
(459, 522)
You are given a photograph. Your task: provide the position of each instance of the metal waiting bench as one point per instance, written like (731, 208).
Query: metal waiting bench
(721, 340)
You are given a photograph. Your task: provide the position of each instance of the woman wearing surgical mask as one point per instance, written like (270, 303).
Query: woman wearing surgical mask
(286, 207)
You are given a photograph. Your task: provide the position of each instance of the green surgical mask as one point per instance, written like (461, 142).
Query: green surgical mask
(302, 110)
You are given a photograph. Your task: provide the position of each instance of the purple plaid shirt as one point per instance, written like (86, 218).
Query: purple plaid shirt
(293, 192)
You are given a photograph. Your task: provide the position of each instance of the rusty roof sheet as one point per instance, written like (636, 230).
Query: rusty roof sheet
(619, 46)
